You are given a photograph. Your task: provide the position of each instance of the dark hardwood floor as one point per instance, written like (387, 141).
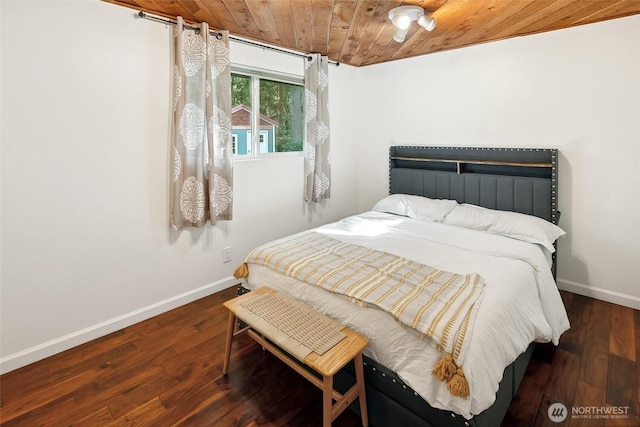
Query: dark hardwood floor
(593, 371)
(167, 371)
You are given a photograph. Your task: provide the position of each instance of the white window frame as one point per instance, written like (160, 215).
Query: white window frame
(253, 149)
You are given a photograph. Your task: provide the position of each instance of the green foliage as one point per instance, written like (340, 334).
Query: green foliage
(289, 146)
(240, 90)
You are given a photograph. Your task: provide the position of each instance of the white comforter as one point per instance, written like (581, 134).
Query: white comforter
(521, 303)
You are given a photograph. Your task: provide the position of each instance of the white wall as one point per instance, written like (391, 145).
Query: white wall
(85, 243)
(576, 89)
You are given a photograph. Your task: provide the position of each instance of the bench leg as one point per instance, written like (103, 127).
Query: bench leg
(362, 395)
(327, 401)
(227, 347)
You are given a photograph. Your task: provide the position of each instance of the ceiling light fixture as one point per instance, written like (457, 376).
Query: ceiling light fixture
(403, 15)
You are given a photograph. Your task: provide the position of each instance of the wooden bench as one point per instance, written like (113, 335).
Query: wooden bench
(327, 364)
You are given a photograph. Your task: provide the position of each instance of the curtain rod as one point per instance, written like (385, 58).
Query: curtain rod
(217, 35)
(145, 15)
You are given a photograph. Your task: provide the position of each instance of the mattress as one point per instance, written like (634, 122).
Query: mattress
(521, 302)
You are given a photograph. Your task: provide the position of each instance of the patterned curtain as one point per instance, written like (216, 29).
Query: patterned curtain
(317, 152)
(202, 183)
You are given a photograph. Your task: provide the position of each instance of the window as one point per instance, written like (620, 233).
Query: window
(267, 112)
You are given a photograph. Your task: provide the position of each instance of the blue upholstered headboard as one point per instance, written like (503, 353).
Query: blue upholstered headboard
(510, 179)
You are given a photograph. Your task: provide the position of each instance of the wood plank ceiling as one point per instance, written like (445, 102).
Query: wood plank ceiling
(358, 32)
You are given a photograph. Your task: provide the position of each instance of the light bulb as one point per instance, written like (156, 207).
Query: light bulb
(401, 21)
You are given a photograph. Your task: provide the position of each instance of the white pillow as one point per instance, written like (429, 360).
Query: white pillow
(430, 209)
(518, 226)
(395, 204)
(471, 216)
(417, 207)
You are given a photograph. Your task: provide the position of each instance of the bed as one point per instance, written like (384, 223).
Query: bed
(486, 213)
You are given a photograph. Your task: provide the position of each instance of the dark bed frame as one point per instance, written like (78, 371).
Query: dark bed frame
(510, 179)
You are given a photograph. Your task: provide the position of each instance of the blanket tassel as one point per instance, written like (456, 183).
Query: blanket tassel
(445, 368)
(242, 272)
(458, 385)
(447, 371)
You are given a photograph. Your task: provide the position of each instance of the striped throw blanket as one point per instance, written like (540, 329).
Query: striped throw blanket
(437, 304)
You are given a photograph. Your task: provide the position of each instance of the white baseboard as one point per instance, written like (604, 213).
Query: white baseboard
(600, 293)
(44, 350)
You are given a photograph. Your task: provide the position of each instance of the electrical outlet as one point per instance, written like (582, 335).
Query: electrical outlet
(226, 254)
